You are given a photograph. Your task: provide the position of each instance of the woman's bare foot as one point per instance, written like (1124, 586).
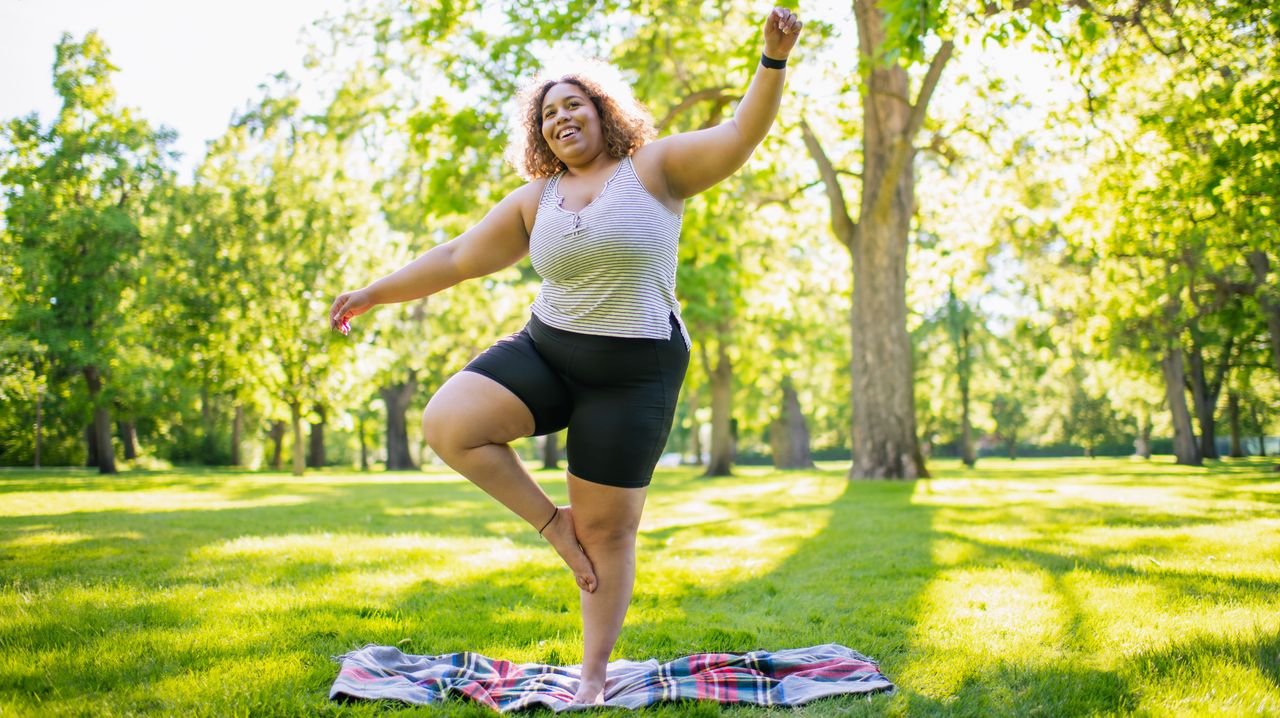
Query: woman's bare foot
(590, 692)
(562, 537)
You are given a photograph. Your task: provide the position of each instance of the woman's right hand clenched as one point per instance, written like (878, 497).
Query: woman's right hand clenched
(348, 305)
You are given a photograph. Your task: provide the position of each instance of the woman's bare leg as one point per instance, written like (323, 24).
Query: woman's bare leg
(607, 521)
(469, 423)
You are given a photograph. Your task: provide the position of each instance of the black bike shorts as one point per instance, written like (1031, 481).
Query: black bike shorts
(616, 395)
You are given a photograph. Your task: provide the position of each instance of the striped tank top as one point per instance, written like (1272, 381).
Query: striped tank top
(609, 268)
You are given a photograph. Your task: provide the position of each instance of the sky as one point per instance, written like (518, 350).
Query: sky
(187, 65)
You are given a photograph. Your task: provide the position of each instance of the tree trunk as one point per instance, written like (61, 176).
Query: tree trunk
(1262, 430)
(721, 380)
(967, 453)
(299, 447)
(277, 439)
(91, 441)
(1266, 293)
(883, 434)
(1200, 399)
(884, 424)
(39, 421)
(551, 451)
(695, 429)
(106, 459)
(733, 440)
(884, 421)
(1233, 414)
(1143, 445)
(364, 447)
(1206, 392)
(237, 426)
(789, 434)
(1184, 441)
(128, 438)
(207, 450)
(315, 457)
(397, 397)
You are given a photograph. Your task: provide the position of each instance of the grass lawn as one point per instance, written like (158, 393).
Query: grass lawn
(1037, 587)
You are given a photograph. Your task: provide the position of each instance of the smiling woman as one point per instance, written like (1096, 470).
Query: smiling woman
(605, 351)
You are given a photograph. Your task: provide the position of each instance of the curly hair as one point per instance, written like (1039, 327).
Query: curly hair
(625, 123)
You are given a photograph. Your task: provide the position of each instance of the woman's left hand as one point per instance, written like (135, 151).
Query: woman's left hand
(781, 29)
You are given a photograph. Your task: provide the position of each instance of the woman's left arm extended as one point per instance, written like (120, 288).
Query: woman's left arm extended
(695, 161)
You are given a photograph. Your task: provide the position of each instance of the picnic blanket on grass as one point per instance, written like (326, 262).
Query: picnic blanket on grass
(788, 677)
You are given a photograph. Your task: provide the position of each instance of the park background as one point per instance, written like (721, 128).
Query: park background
(979, 234)
(1075, 250)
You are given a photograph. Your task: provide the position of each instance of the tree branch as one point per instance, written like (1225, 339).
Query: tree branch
(706, 361)
(991, 8)
(939, 146)
(714, 116)
(842, 224)
(1224, 365)
(785, 199)
(709, 93)
(903, 143)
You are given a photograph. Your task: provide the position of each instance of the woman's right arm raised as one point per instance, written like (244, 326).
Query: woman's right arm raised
(497, 241)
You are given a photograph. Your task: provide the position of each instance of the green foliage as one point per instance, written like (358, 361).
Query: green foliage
(77, 195)
(196, 299)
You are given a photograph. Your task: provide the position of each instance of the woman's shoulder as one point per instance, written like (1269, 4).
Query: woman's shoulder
(529, 196)
(646, 160)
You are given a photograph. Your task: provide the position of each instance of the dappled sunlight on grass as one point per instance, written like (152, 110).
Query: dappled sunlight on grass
(742, 550)
(244, 681)
(978, 617)
(327, 567)
(1229, 549)
(732, 529)
(37, 539)
(38, 504)
(1020, 588)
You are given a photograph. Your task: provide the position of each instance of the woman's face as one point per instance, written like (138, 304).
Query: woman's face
(570, 123)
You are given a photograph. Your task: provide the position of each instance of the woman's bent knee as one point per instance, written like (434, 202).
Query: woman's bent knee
(609, 534)
(432, 428)
(471, 410)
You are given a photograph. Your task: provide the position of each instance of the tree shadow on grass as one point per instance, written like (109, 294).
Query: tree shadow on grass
(1071, 690)
(1191, 583)
(1072, 672)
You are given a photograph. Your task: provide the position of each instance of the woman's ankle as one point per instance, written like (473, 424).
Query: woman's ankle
(594, 677)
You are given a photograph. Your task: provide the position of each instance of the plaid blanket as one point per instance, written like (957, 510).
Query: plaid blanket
(789, 677)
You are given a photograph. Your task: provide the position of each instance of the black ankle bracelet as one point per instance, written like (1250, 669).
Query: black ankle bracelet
(554, 514)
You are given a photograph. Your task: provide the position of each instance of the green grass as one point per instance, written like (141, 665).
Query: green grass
(1035, 587)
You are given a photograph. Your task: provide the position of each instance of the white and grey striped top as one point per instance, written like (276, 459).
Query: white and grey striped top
(610, 268)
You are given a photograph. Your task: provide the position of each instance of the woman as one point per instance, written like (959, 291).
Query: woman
(604, 352)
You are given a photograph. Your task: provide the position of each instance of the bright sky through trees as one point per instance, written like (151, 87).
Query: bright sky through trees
(190, 65)
(187, 65)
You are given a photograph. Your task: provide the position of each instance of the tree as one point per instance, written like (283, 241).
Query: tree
(884, 422)
(1180, 209)
(75, 194)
